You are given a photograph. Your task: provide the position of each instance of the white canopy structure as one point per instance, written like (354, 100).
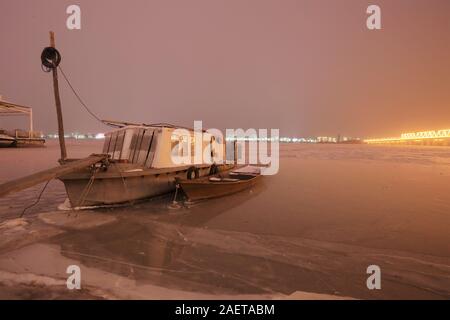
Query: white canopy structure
(12, 109)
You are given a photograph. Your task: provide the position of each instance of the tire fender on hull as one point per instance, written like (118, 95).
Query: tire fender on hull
(193, 173)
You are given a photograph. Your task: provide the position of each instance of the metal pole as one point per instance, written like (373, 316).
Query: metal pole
(62, 143)
(31, 124)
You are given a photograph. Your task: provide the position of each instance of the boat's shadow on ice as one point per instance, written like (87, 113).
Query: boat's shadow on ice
(150, 242)
(184, 212)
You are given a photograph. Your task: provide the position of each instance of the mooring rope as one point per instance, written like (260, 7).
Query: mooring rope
(87, 189)
(124, 184)
(51, 59)
(37, 200)
(79, 98)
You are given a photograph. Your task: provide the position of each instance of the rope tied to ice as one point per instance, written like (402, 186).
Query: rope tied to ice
(50, 58)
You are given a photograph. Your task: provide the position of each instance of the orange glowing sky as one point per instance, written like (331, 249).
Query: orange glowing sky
(306, 67)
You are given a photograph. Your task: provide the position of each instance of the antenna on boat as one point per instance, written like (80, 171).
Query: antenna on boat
(50, 59)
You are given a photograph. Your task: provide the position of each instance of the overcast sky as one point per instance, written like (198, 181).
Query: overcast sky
(308, 67)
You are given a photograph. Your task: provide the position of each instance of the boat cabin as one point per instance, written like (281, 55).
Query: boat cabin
(154, 146)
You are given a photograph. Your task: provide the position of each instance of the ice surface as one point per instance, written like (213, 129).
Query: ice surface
(330, 212)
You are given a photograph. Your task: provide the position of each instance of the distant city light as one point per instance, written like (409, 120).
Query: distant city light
(77, 136)
(322, 139)
(299, 139)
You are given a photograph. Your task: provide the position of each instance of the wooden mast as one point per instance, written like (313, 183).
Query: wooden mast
(62, 143)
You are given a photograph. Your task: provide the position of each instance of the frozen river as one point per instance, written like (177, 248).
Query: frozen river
(310, 231)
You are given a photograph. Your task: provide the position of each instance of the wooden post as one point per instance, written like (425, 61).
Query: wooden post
(62, 143)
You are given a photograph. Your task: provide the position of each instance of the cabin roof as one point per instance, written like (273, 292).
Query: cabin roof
(123, 124)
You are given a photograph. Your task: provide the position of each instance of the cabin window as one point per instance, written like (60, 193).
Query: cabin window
(119, 145)
(110, 143)
(151, 150)
(106, 143)
(144, 146)
(141, 146)
(113, 144)
(136, 144)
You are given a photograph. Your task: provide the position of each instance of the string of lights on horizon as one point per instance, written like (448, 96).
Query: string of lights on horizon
(410, 136)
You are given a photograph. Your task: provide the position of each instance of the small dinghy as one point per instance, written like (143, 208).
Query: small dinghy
(220, 184)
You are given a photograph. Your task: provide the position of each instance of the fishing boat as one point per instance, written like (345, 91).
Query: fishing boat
(139, 165)
(220, 184)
